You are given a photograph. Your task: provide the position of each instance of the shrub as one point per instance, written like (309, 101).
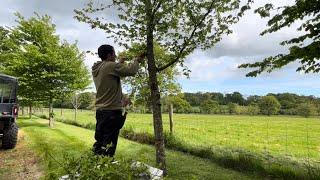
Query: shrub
(291, 111)
(233, 108)
(89, 166)
(306, 110)
(253, 109)
(269, 105)
(195, 109)
(209, 106)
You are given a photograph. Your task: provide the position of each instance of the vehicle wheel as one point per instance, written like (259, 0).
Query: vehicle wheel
(10, 136)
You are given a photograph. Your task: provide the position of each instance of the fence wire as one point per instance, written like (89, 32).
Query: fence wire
(276, 137)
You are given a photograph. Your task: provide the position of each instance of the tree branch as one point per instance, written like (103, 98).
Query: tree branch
(157, 8)
(185, 43)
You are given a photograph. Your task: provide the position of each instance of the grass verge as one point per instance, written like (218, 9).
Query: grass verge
(53, 144)
(241, 160)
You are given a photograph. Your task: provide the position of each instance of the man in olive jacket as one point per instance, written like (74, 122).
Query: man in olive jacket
(106, 76)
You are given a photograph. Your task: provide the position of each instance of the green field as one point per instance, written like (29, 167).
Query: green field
(51, 144)
(289, 136)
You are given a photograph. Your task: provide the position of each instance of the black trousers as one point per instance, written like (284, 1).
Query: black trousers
(108, 125)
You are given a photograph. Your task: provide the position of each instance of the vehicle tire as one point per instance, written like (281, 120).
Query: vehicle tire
(10, 136)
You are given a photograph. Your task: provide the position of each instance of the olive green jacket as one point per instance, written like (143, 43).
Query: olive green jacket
(106, 77)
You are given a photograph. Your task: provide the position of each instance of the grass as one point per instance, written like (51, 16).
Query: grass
(51, 144)
(284, 136)
(241, 160)
(239, 157)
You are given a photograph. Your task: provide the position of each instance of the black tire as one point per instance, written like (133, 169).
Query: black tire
(10, 136)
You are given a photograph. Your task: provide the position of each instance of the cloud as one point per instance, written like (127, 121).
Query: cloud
(214, 69)
(220, 74)
(62, 15)
(246, 40)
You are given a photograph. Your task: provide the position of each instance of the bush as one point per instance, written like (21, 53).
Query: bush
(269, 105)
(209, 107)
(233, 108)
(93, 167)
(306, 110)
(253, 109)
(195, 109)
(42, 116)
(291, 111)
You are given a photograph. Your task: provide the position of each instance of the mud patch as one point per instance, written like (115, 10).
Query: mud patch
(19, 163)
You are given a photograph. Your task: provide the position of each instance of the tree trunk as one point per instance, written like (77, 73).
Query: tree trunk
(51, 120)
(30, 111)
(75, 113)
(156, 105)
(75, 107)
(133, 97)
(22, 109)
(170, 118)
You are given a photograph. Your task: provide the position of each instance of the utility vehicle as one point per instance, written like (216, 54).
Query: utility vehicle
(8, 111)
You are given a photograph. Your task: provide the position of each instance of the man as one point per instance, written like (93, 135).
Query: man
(106, 76)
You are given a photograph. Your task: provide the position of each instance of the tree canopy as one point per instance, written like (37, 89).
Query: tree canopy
(269, 105)
(46, 67)
(138, 84)
(304, 48)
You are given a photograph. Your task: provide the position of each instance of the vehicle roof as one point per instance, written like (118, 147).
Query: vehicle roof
(7, 77)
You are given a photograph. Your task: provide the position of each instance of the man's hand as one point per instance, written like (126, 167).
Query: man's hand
(122, 59)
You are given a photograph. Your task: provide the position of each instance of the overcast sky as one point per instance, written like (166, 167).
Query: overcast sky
(212, 70)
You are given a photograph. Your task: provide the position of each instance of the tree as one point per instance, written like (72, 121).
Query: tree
(306, 110)
(305, 48)
(253, 109)
(254, 99)
(76, 103)
(269, 105)
(178, 26)
(80, 100)
(192, 99)
(235, 97)
(86, 99)
(139, 84)
(4, 47)
(209, 106)
(317, 106)
(216, 96)
(287, 100)
(233, 108)
(195, 99)
(180, 105)
(46, 67)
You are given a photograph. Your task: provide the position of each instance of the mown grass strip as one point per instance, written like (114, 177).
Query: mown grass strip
(56, 146)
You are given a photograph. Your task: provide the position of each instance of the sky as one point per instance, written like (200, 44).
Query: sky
(213, 70)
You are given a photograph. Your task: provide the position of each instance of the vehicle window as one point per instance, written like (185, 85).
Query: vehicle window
(5, 92)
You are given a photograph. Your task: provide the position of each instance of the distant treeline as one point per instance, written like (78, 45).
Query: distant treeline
(283, 103)
(215, 103)
(287, 100)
